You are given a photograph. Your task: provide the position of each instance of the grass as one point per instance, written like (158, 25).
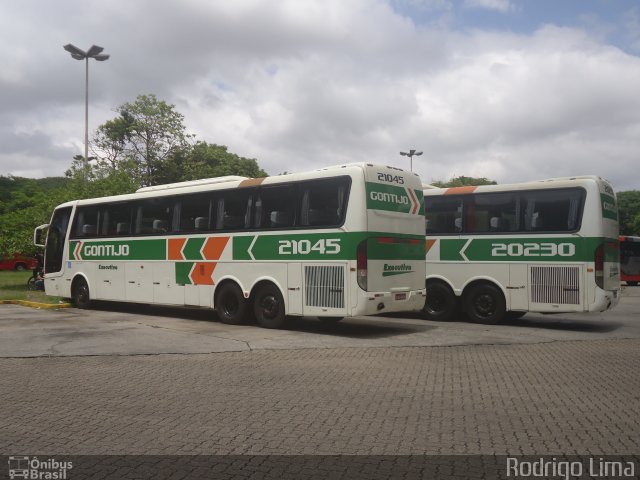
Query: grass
(13, 286)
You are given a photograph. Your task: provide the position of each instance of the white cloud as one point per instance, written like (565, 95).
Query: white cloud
(302, 84)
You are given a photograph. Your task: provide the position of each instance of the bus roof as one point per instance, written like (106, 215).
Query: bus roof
(232, 181)
(532, 185)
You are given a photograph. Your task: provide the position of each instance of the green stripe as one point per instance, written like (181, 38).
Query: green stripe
(182, 273)
(154, 249)
(326, 246)
(568, 249)
(192, 248)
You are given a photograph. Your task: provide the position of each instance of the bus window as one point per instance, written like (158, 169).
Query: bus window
(492, 212)
(115, 220)
(443, 214)
(85, 224)
(194, 213)
(553, 210)
(324, 203)
(233, 210)
(275, 207)
(154, 216)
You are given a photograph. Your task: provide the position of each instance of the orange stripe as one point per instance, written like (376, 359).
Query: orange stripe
(202, 273)
(429, 244)
(174, 248)
(213, 247)
(251, 182)
(460, 190)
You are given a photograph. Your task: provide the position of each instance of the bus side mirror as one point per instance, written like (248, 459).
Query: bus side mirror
(38, 235)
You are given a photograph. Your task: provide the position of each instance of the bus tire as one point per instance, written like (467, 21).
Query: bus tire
(268, 306)
(80, 294)
(230, 304)
(441, 304)
(484, 303)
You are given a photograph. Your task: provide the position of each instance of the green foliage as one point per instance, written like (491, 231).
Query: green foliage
(463, 181)
(143, 140)
(629, 212)
(206, 160)
(24, 204)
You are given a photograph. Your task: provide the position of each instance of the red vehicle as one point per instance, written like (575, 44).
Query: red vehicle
(17, 262)
(630, 260)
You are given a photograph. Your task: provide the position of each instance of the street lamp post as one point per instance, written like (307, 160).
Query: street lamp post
(411, 154)
(79, 54)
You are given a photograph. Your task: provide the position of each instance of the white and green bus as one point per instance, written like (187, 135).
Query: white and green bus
(500, 251)
(332, 243)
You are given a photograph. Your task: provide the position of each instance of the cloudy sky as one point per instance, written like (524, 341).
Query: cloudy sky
(513, 90)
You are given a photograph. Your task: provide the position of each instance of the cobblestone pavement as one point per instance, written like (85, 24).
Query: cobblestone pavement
(561, 397)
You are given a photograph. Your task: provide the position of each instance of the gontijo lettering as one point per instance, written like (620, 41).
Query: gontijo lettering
(105, 250)
(389, 197)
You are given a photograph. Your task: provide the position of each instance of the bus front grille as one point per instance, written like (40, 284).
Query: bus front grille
(324, 286)
(557, 285)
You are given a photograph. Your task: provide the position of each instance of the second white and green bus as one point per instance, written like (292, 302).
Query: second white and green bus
(335, 242)
(500, 251)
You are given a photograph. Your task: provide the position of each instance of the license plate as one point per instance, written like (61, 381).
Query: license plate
(401, 296)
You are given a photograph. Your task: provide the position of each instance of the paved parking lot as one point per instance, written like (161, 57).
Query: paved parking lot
(132, 380)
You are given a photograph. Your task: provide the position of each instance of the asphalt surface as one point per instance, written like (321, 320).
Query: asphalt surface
(142, 380)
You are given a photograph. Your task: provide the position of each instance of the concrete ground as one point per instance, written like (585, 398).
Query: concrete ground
(153, 381)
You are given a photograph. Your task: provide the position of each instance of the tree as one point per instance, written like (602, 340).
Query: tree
(463, 181)
(629, 212)
(206, 160)
(143, 140)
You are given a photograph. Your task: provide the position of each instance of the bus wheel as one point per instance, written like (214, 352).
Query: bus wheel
(268, 307)
(80, 294)
(441, 304)
(484, 303)
(231, 305)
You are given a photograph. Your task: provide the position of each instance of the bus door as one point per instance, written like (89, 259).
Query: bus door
(54, 251)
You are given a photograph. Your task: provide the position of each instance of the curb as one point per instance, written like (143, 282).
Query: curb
(26, 303)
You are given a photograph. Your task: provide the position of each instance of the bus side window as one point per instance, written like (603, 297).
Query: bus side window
(115, 220)
(85, 222)
(234, 210)
(275, 207)
(154, 216)
(323, 203)
(192, 213)
(443, 215)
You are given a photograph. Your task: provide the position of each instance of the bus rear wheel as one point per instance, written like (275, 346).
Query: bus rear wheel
(484, 303)
(230, 304)
(80, 294)
(268, 307)
(441, 304)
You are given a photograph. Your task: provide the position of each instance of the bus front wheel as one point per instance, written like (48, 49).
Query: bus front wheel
(80, 294)
(441, 304)
(231, 305)
(268, 307)
(484, 303)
